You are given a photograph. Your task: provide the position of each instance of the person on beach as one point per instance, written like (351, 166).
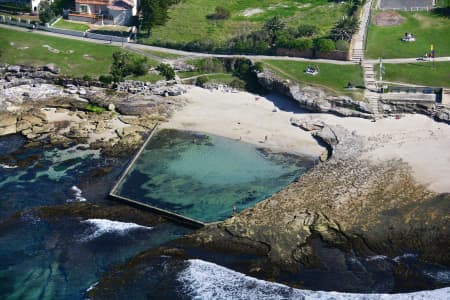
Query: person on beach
(265, 138)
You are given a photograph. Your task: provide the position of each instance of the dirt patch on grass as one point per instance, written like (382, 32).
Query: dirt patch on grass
(388, 18)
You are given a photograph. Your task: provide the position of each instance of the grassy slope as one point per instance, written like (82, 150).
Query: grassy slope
(385, 41)
(188, 20)
(332, 77)
(70, 25)
(423, 73)
(97, 61)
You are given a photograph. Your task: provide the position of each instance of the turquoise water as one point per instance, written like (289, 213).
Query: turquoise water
(204, 177)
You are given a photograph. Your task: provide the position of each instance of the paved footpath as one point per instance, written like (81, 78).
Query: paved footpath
(179, 52)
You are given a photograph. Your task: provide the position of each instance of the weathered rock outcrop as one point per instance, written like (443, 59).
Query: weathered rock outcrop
(351, 204)
(314, 99)
(7, 123)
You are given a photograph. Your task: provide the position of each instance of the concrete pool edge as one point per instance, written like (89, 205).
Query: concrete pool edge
(171, 215)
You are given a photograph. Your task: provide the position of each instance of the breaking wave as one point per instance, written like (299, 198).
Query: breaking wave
(103, 226)
(205, 280)
(4, 166)
(78, 195)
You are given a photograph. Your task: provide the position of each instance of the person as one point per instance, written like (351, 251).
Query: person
(265, 138)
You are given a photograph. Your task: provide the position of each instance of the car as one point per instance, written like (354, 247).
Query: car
(427, 91)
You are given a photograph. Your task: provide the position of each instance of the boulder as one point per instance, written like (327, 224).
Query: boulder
(52, 68)
(8, 123)
(14, 69)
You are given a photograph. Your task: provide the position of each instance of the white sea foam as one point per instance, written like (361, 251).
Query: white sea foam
(204, 280)
(78, 194)
(4, 166)
(377, 257)
(441, 276)
(102, 226)
(91, 287)
(404, 256)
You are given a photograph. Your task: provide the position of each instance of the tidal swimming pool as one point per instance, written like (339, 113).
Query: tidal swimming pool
(206, 177)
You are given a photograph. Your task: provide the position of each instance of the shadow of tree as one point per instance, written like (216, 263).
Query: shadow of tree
(442, 12)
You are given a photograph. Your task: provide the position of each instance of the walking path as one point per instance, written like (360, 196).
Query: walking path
(371, 92)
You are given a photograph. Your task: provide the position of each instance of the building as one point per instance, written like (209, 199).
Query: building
(117, 12)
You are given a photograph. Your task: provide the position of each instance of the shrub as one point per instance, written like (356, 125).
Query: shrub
(87, 78)
(258, 67)
(342, 45)
(106, 79)
(94, 108)
(138, 66)
(306, 30)
(200, 81)
(221, 13)
(237, 84)
(166, 71)
(324, 45)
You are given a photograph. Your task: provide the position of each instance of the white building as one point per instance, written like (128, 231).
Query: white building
(117, 12)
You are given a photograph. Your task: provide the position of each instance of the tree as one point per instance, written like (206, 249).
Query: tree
(58, 6)
(119, 67)
(46, 14)
(345, 29)
(273, 27)
(154, 12)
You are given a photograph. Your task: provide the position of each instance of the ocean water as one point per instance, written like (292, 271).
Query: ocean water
(205, 177)
(63, 258)
(60, 259)
(167, 278)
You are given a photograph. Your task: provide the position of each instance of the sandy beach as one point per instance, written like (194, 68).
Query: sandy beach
(244, 116)
(416, 139)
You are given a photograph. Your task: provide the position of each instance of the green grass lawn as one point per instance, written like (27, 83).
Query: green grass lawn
(63, 24)
(148, 77)
(188, 19)
(163, 54)
(423, 73)
(429, 28)
(333, 78)
(75, 58)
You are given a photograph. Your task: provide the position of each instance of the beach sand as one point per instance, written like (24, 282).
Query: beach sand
(247, 117)
(418, 140)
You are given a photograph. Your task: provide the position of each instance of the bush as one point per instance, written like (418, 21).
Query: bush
(221, 13)
(201, 81)
(258, 67)
(106, 79)
(342, 45)
(324, 45)
(138, 66)
(237, 84)
(166, 71)
(306, 30)
(94, 108)
(87, 78)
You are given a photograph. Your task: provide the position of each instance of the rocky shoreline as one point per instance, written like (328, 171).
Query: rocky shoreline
(347, 219)
(49, 109)
(336, 218)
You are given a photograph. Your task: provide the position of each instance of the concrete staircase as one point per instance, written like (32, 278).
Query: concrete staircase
(371, 91)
